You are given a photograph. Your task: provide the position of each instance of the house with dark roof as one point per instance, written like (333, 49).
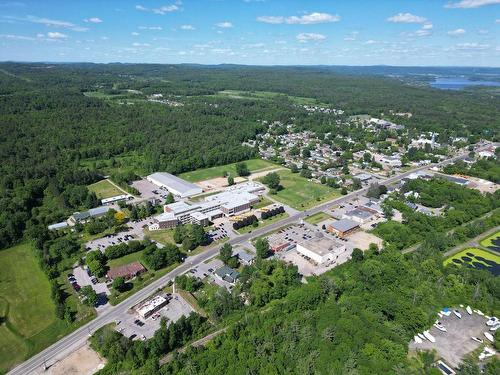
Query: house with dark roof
(227, 274)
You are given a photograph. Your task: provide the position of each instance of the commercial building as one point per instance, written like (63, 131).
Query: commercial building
(392, 161)
(165, 220)
(359, 215)
(321, 249)
(175, 185)
(148, 308)
(363, 177)
(116, 198)
(126, 271)
(83, 217)
(343, 227)
(233, 201)
(457, 180)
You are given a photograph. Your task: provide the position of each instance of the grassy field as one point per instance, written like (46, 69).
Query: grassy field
(162, 236)
(487, 242)
(317, 218)
(266, 95)
(263, 223)
(302, 194)
(105, 189)
(208, 173)
(26, 303)
(262, 203)
(134, 257)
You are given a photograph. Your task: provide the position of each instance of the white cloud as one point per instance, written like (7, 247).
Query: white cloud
(93, 20)
(224, 25)
(471, 46)
(304, 37)
(497, 20)
(352, 36)
(16, 37)
(423, 32)
(161, 10)
(465, 4)
(56, 35)
(140, 44)
(159, 28)
(456, 32)
(406, 18)
(188, 27)
(306, 19)
(371, 41)
(427, 26)
(48, 22)
(134, 33)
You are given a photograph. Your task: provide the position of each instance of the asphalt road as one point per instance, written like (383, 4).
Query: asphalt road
(76, 339)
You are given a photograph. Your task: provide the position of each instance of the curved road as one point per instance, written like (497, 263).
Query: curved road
(76, 339)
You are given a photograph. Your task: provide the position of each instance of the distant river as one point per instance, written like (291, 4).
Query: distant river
(459, 83)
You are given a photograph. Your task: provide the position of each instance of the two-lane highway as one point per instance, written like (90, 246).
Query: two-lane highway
(77, 338)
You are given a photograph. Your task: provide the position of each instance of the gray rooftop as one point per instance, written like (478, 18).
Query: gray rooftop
(363, 214)
(176, 184)
(344, 225)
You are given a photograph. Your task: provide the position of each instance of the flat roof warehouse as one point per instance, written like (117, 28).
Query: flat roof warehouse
(173, 184)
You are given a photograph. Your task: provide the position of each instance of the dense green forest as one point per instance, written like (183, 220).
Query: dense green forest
(54, 139)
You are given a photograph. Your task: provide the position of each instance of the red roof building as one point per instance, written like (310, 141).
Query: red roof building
(127, 271)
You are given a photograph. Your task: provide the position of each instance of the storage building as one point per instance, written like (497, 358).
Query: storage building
(175, 185)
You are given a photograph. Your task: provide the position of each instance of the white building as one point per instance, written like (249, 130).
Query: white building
(116, 198)
(321, 249)
(148, 308)
(175, 185)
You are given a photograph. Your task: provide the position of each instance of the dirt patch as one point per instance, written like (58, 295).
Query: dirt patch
(83, 361)
(363, 240)
(217, 183)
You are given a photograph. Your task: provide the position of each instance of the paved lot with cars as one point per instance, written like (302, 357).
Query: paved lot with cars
(132, 325)
(83, 279)
(204, 270)
(148, 189)
(454, 344)
(108, 240)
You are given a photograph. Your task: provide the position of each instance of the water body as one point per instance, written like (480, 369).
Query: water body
(459, 83)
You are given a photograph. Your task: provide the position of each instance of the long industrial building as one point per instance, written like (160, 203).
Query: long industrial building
(175, 185)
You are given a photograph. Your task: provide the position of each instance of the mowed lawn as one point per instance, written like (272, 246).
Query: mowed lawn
(25, 296)
(105, 189)
(300, 193)
(318, 218)
(162, 236)
(213, 172)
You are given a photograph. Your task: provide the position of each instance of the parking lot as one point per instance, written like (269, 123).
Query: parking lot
(219, 232)
(83, 279)
(454, 344)
(148, 189)
(135, 232)
(204, 270)
(132, 325)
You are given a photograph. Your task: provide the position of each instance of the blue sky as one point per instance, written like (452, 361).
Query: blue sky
(266, 32)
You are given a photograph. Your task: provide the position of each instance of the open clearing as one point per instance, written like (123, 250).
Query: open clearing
(162, 236)
(213, 172)
(105, 189)
(266, 95)
(25, 296)
(317, 218)
(300, 193)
